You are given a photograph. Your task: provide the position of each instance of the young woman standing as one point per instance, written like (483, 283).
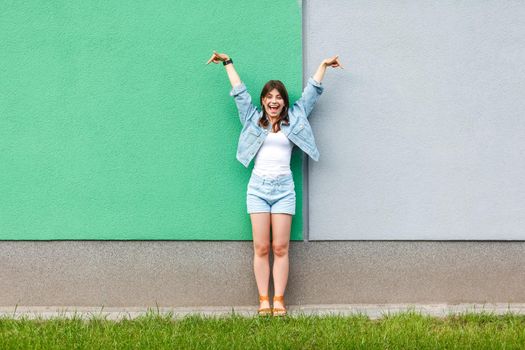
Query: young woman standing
(269, 135)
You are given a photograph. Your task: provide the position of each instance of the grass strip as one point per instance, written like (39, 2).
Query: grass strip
(404, 330)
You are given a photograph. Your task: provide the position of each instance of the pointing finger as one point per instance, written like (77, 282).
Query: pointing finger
(213, 57)
(340, 65)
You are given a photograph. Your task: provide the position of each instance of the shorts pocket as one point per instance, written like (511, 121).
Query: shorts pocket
(289, 184)
(254, 187)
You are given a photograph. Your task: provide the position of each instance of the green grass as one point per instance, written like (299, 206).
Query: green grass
(407, 330)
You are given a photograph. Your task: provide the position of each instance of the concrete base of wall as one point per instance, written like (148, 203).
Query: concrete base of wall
(192, 274)
(369, 310)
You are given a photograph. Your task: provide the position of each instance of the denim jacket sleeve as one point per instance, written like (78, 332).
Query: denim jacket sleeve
(244, 102)
(310, 95)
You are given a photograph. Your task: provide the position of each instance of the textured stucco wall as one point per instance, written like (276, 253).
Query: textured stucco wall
(178, 273)
(422, 136)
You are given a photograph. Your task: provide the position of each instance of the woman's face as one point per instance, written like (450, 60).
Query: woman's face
(273, 103)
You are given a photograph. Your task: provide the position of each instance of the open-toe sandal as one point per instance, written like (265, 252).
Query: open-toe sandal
(265, 311)
(279, 311)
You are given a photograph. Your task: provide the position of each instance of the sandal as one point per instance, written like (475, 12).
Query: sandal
(278, 311)
(265, 311)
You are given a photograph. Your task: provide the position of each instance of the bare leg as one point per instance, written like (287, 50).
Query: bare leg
(261, 256)
(281, 225)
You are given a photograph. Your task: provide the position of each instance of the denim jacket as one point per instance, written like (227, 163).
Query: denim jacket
(298, 130)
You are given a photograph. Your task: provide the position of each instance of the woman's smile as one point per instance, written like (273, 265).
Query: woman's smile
(274, 109)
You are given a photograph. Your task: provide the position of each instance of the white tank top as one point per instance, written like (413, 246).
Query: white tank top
(273, 158)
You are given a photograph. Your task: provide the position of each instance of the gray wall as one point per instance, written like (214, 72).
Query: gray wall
(422, 136)
(178, 273)
(400, 162)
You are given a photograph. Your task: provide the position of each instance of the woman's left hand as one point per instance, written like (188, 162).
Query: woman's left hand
(333, 62)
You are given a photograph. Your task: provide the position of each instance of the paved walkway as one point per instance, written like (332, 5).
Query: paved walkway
(373, 311)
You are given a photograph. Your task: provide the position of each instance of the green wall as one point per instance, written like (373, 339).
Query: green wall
(113, 127)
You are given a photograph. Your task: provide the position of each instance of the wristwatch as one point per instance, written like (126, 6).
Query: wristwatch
(228, 61)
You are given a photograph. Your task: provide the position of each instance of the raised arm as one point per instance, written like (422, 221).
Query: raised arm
(314, 88)
(232, 73)
(239, 91)
(333, 62)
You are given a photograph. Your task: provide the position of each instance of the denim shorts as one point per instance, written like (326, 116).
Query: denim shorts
(271, 195)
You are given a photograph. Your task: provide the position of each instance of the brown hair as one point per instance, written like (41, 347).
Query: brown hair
(269, 86)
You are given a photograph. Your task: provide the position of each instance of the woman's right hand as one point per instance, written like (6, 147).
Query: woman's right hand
(235, 80)
(218, 57)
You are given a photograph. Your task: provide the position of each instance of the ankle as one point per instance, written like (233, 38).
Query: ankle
(278, 299)
(264, 298)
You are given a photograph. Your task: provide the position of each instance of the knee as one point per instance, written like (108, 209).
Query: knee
(280, 249)
(262, 249)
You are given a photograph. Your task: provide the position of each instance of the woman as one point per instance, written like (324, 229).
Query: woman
(269, 136)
